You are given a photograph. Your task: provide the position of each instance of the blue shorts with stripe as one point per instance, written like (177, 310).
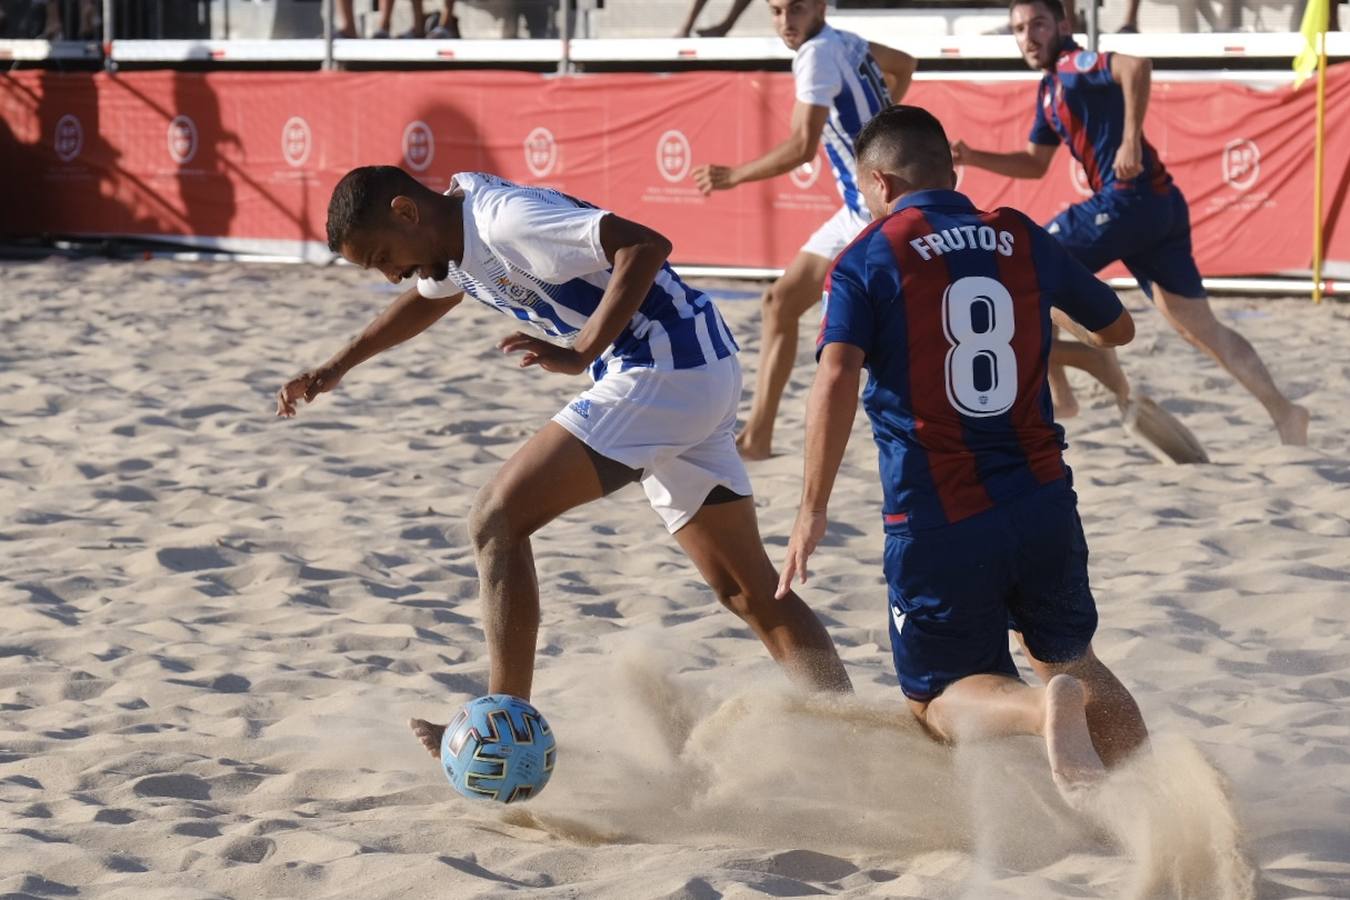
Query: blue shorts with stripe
(956, 590)
(1150, 233)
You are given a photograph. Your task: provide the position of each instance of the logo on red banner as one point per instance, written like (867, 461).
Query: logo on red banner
(296, 140)
(1241, 164)
(674, 156)
(807, 174)
(541, 152)
(1078, 177)
(419, 146)
(69, 139)
(182, 139)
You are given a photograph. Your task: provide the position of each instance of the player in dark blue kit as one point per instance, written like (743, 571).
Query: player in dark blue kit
(1095, 103)
(950, 309)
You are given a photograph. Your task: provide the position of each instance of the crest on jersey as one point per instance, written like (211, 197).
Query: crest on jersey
(1085, 60)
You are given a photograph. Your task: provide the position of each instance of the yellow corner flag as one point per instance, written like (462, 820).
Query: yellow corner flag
(1316, 16)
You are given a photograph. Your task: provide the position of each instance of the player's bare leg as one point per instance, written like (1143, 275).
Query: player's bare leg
(1113, 718)
(796, 291)
(1102, 364)
(1194, 320)
(723, 541)
(986, 706)
(552, 473)
(1061, 393)
(1074, 762)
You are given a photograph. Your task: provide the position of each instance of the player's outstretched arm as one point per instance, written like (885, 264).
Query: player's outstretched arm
(406, 317)
(897, 67)
(1029, 163)
(1135, 77)
(808, 121)
(829, 422)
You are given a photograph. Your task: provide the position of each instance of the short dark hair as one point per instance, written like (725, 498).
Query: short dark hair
(361, 197)
(1055, 7)
(906, 140)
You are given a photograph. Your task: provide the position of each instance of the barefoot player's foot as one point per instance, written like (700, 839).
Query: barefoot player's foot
(428, 734)
(1074, 762)
(1293, 426)
(751, 449)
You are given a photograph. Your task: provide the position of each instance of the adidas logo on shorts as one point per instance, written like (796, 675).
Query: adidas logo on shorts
(581, 407)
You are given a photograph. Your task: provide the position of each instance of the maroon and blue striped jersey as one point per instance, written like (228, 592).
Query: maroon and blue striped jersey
(1080, 104)
(951, 306)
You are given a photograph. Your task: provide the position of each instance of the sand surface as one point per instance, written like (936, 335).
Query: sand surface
(215, 624)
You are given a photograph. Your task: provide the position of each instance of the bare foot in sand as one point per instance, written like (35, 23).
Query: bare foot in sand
(428, 734)
(1074, 763)
(751, 449)
(1293, 426)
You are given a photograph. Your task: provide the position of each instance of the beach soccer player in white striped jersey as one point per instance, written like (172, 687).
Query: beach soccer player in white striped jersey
(599, 297)
(841, 81)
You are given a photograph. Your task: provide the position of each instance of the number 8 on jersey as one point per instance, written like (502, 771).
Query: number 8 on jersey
(977, 316)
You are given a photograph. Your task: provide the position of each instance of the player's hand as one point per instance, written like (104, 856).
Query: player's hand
(960, 152)
(549, 357)
(1129, 159)
(711, 178)
(307, 385)
(807, 532)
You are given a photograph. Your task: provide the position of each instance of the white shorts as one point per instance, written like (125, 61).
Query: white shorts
(678, 427)
(839, 230)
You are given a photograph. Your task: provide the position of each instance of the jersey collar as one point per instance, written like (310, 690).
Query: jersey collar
(933, 198)
(1067, 46)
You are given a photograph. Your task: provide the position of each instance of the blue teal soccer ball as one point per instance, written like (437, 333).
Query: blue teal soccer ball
(499, 748)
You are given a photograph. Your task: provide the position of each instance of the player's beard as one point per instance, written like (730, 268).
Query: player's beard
(439, 271)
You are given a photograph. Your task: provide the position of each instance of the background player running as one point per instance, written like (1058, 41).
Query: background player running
(949, 309)
(662, 408)
(841, 82)
(1095, 103)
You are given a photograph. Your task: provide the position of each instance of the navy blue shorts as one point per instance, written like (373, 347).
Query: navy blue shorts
(955, 591)
(1149, 233)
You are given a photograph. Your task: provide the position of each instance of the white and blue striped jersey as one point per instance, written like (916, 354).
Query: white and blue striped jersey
(534, 254)
(836, 69)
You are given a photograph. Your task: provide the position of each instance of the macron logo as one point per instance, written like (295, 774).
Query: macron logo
(582, 408)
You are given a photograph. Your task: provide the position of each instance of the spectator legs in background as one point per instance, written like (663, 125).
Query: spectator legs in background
(724, 26)
(718, 30)
(387, 16)
(446, 26)
(346, 20)
(688, 27)
(1131, 23)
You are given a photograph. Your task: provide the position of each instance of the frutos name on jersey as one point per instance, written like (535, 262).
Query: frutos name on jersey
(963, 237)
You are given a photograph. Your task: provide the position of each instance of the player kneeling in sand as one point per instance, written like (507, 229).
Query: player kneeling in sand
(662, 409)
(949, 309)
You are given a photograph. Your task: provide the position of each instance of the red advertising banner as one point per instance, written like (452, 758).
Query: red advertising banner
(246, 160)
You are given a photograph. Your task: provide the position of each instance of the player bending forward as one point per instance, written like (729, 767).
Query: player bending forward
(949, 309)
(598, 291)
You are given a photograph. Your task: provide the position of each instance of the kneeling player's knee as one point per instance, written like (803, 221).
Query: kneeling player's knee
(490, 519)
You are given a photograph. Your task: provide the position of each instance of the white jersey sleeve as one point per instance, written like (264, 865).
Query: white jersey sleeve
(817, 77)
(554, 241)
(437, 290)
